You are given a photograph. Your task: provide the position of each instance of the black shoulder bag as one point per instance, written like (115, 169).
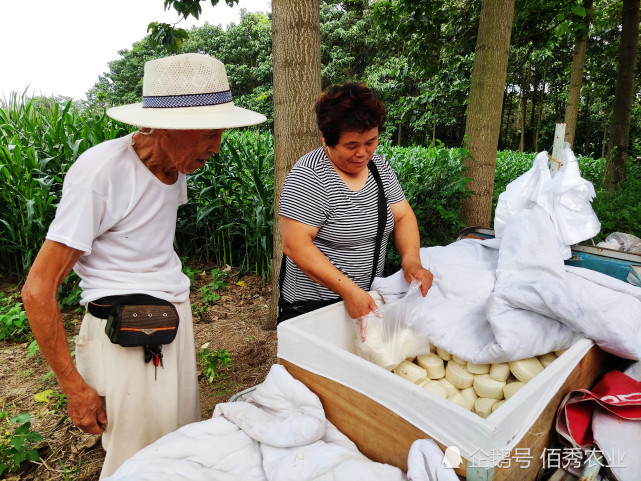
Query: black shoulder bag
(287, 310)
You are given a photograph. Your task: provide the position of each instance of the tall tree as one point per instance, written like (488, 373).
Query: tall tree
(525, 88)
(622, 113)
(297, 84)
(576, 75)
(484, 107)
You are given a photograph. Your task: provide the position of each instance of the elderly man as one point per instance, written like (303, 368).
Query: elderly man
(115, 227)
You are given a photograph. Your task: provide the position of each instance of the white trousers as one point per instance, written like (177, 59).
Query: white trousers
(140, 408)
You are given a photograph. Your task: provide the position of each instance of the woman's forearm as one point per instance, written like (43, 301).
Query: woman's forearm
(315, 265)
(408, 244)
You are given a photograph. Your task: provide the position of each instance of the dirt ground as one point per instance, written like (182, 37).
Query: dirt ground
(234, 323)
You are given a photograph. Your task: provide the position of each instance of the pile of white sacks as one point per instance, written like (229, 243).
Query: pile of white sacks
(511, 297)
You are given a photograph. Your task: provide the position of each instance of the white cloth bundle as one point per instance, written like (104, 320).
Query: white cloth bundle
(566, 197)
(512, 298)
(279, 434)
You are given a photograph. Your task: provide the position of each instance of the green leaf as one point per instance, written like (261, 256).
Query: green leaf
(34, 437)
(17, 441)
(22, 429)
(33, 348)
(21, 418)
(563, 29)
(579, 11)
(32, 454)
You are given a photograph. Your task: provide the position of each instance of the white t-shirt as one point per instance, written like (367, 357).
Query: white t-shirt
(124, 219)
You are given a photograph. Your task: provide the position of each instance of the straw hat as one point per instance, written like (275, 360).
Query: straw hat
(185, 92)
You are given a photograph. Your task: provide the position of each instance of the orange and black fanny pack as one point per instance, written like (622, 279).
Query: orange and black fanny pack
(137, 319)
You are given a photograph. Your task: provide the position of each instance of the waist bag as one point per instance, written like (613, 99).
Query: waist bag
(141, 320)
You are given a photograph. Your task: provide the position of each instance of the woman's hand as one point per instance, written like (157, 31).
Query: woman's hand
(359, 303)
(414, 270)
(407, 240)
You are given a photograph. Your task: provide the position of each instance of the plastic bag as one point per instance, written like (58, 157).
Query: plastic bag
(389, 335)
(622, 242)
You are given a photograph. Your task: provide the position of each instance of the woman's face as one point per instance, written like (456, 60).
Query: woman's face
(189, 150)
(353, 150)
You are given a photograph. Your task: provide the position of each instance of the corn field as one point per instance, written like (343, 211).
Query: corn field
(229, 216)
(39, 141)
(228, 219)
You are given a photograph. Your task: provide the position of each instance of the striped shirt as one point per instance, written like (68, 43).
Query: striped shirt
(314, 194)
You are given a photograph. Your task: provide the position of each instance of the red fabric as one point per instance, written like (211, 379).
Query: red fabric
(615, 392)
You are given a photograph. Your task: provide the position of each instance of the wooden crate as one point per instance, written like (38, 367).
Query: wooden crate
(385, 436)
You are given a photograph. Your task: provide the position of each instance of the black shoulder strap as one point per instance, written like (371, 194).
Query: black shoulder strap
(382, 217)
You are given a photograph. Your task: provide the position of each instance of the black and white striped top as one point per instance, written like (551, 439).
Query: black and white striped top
(314, 194)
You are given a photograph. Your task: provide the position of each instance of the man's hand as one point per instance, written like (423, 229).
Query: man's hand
(87, 410)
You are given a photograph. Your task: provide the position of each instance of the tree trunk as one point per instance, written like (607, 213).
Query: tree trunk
(508, 99)
(525, 86)
(539, 116)
(576, 78)
(484, 107)
(588, 124)
(535, 102)
(502, 144)
(434, 132)
(620, 131)
(297, 84)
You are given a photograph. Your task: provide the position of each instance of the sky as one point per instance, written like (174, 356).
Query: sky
(60, 47)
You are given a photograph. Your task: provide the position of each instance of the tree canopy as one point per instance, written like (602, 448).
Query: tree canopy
(418, 57)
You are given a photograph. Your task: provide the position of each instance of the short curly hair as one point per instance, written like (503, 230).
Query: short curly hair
(351, 107)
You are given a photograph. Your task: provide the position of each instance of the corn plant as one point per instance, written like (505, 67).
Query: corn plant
(39, 140)
(434, 183)
(229, 216)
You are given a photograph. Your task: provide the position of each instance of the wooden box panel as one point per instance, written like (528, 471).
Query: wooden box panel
(384, 436)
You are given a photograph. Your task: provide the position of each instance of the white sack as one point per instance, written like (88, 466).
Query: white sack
(566, 197)
(523, 192)
(280, 433)
(533, 288)
(211, 450)
(571, 197)
(505, 299)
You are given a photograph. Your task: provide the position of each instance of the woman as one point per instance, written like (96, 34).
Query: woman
(338, 206)
(115, 227)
